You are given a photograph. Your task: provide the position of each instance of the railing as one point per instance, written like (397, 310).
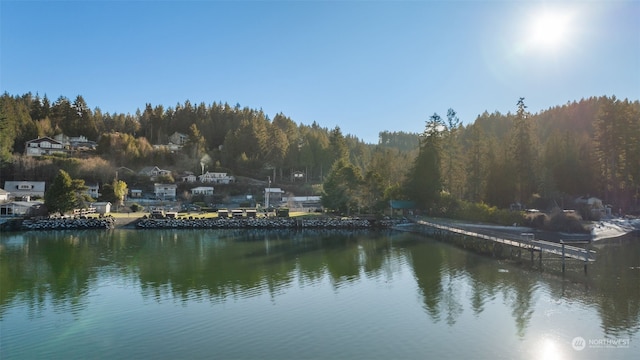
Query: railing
(524, 240)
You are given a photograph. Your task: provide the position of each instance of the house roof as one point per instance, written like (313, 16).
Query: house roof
(43, 139)
(37, 185)
(3, 192)
(26, 204)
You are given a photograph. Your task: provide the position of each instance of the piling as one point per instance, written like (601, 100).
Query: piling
(563, 267)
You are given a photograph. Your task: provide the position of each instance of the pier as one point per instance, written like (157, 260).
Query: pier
(517, 243)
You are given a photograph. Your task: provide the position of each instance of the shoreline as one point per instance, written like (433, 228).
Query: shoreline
(601, 231)
(141, 223)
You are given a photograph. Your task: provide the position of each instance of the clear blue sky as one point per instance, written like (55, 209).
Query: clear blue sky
(366, 66)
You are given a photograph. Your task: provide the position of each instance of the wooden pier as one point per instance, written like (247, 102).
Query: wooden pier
(524, 241)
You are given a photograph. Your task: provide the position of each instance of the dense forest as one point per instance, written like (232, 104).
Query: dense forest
(587, 147)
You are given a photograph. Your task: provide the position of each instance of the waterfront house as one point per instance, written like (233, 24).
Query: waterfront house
(165, 191)
(272, 196)
(44, 146)
(25, 189)
(19, 208)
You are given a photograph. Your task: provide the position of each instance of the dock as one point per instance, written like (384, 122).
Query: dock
(517, 243)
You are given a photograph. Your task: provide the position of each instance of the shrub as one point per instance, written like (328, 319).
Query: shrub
(567, 222)
(135, 207)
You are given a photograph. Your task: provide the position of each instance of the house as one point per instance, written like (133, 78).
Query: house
(76, 142)
(303, 201)
(178, 138)
(202, 190)
(216, 177)
(402, 207)
(272, 196)
(44, 146)
(595, 205)
(19, 208)
(102, 207)
(165, 191)
(135, 193)
(189, 178)
(22, 189)
(93, 190)
(4, 195)
(153, 172)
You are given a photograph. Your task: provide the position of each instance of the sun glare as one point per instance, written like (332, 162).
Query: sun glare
(549, 29)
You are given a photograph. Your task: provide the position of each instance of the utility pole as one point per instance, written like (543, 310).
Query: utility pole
(266, 195)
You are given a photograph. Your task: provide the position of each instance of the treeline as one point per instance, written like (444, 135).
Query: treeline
(587, 147)
(221, 137)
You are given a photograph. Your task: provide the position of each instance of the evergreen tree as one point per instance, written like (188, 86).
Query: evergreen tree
(424, 182)
(453, 174)
(342, 188)
(523, 154)
(61, 195)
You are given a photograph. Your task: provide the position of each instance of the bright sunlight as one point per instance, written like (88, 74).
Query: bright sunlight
(549, 29)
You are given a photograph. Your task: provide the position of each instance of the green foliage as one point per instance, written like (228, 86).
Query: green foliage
(341, 189)
(135, 207)
(61, 195)
(477, 212)
(424, 181)
(119, 190)
(590, 146)
(523, 154)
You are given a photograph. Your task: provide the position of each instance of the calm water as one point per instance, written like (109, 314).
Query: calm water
(127, 294)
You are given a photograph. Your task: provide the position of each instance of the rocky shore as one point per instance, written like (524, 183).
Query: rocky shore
(107, 223)
(265, 223)
(69, 224)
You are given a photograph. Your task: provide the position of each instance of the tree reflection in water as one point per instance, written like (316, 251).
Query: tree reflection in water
(62, 267)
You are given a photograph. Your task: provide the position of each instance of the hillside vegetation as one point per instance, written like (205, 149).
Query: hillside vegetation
(586, 147)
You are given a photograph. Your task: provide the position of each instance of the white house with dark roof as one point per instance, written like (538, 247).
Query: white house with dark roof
(21, 189)
(44, 146)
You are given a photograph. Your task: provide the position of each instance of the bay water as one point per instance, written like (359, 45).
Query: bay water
(286, 294)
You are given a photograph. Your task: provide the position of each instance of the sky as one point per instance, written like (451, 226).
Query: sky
(364, 66)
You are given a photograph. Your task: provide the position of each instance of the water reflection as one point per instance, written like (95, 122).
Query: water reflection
(61, 268)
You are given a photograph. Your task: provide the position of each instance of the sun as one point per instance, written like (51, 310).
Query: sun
(549, 29)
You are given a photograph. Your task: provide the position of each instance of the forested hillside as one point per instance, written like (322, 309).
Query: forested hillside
(588, 147)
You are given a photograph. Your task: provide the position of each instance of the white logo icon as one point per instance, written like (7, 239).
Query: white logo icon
(578, 343)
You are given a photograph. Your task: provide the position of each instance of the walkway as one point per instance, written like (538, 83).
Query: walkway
(525, 241)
